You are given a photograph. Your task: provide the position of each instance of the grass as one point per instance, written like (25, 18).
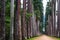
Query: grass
(31, 39)
(57, 38)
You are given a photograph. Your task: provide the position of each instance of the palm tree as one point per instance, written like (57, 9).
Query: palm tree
(53, 17)
(58, 23)
(30, 19)
(12, 19)
(17, 22)
(24, 27)
(2, 20)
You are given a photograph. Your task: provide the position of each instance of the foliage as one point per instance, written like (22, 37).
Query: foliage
(7, 19)
(38, 5)
(48, 12)
(7, 28)
(37, 13)
(38, 10)
(28, 15)
(48, 9)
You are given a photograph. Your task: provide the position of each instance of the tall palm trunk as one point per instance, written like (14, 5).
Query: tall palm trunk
(29, 21)
(53, 17)
(58, 14)
(2, 20)
(12, 19)
(37, 23)
(49, 27)
(24, 27)
(17, 23)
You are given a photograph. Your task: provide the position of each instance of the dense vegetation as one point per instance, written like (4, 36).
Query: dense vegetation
(38, 11)
(24, 20)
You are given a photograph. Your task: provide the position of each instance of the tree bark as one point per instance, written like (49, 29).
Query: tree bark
(24, 27)
(58, 14)
(29, 21)
(12, 19)
(53, 17)
(17, 23)
(2, 20)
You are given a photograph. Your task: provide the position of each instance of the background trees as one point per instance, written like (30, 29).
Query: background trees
(48, 18)
(14, 28)
(27, 21)
(38, 10)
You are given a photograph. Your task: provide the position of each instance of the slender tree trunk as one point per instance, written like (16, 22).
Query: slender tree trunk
(12, 19)
(2, 20)
(58, 13)
(37, 23)
(53, 17)
(57, 1)
(17, 25)
(49, 31)
(29, 21)
(34, 31)
(24, 27)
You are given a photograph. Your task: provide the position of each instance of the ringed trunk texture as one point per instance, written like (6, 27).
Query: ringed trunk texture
(2, 20)
(24, 27)
(17, 22)
(12, 19)
(58, 13)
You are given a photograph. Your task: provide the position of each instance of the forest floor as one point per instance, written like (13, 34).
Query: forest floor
(44, 37)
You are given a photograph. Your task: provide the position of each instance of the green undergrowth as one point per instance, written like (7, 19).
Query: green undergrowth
(31, 38)
(55, 38)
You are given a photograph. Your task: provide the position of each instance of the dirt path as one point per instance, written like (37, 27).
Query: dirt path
(44, 37)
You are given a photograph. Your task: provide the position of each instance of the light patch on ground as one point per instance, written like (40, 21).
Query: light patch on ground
(44, 37)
